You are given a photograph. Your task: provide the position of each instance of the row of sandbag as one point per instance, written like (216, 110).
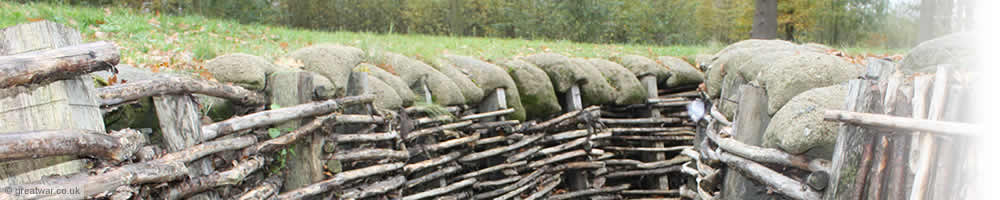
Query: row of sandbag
(532, 82)
(802, 81)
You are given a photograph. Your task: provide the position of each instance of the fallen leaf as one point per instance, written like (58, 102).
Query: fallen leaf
(34, 19)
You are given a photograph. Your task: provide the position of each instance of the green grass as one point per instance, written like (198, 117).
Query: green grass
(185, 41)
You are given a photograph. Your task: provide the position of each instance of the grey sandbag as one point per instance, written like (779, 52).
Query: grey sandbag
(473, 94)
(402, 89)
(956, 49)
(489, 77)
(799, 127)
(748, 72)
(330, 60)
(534, 88)
(730, 57)
(244, 70)
(412, 71)
(386, 95)
(564, 72)
(628, 89)
(642, 66)
(806, 70)
(681, 72)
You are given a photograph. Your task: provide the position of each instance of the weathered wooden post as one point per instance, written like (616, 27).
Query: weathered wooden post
(289, 88)
(66, 104)
(750, 121)
(652, 91)
(577, 179)
(853, 152)
(180, 125)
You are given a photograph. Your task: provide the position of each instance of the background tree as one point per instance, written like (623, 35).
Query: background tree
(765, 20)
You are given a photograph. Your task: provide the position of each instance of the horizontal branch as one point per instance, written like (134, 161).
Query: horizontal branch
(496, 151)
(57, 64)
(339, 179)
(921, 125)
(287, 138)
(570, 116)
(782, 184)
(375, 188)
(369, 154)
(498, 182)
(547, 187)
(487, 114)
(269, 187)
(492, 169)
(270, 117)
(488, 125)
(557, 158)
(117, 147)
(135, 90)
(589, 192)
(432, 176)
(527, 179)
(578, 165)
(760, 154)
(229, 177)
(413, 167)
(648, 149)
(365, 137)
(441, 190)
(644, 172)
(451, 143)
(427, 131)
(641, 121)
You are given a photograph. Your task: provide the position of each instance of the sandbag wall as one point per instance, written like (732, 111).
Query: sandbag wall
(331, 121)
(773, 107)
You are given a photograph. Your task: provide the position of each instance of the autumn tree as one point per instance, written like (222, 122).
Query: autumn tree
(765, 20)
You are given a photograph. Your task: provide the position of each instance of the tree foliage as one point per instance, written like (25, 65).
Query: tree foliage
(839, 22)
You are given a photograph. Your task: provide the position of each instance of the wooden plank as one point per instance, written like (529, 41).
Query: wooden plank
(576, 179)
(66, 104)
(661, 181)
(180, 126)
(288, 89)
(749, 123)
(854, 147)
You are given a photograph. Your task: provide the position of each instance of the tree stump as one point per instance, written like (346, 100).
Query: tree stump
(304, 166)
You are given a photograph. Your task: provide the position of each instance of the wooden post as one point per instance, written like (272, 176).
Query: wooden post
(66, 104)
(853, 152)
(652, 91)
(749, 123)
(180, 125)
(577, 179)
(290, 88)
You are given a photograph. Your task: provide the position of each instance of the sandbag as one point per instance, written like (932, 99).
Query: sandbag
(443, 89)
(245, 70)
(386, 97)
(955, 49)
(806, 70)
(747, 74)
(642, 66)
(398, 85)
(489, 77)
(730, 57)
(473, 94)
(534, 88)
(330, 60)
(628, 89)
(681, 72)
(565, 71)
(799, 127)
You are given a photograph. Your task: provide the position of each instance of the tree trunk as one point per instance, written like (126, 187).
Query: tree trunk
(765, 20)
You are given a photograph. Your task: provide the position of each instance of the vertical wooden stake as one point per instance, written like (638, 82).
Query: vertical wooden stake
(928, 144)
(291, 88)
(652, 90)
(180, 125)
(577, 179)
(749, 124)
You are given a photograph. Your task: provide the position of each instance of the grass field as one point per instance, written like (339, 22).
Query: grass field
(183, 42)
